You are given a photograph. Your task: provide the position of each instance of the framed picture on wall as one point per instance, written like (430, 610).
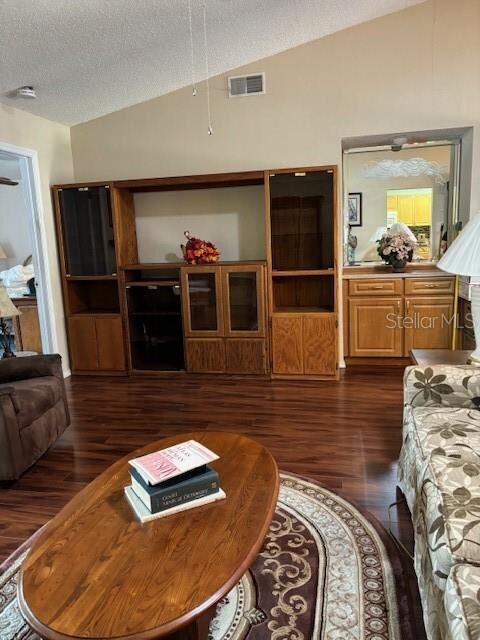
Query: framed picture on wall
(355, 209)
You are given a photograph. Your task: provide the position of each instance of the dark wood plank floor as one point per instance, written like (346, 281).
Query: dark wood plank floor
(344, 434)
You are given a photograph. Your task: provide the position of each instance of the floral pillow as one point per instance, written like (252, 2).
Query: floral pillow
(458, 386)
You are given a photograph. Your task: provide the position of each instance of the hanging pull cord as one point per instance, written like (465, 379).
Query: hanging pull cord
(192, 56)
(205, 41)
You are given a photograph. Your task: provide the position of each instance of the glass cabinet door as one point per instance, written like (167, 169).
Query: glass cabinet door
(302, 220)
(243, 300)
(202, 303)
(88, 240)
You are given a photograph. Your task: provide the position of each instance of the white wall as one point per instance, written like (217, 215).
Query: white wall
(14, 237)
(233, 218)
(52, 143)
(413, 70)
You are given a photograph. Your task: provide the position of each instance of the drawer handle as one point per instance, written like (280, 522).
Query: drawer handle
(377, 286)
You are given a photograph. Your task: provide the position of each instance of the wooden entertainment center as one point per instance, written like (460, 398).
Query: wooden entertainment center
(275, 315)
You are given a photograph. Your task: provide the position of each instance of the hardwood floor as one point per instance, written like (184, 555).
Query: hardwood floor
(345, 434)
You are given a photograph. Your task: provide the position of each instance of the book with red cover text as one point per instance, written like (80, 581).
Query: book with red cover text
(172, 462)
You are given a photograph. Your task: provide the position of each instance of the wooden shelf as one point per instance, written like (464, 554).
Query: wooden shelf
(90, 278)
(147, 266)
(302, 310)
(176, 265)
(203, 181)
(304, 272)
(161, 340)
(154, 283)
(154, 313)
(94, 312)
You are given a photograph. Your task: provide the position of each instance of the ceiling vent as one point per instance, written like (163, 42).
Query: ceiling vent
(251, 85)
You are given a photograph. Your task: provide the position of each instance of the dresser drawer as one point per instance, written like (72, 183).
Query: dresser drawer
(424, 286)
(375, 287)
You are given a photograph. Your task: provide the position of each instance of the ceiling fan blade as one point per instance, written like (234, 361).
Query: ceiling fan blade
(8, 182)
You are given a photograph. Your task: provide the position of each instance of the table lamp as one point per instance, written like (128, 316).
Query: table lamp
(7, 310)
(463, 259)
(399, 228)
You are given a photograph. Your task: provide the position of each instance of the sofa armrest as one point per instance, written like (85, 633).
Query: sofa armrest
(442, 385)
(10, 393)
(11, 452)
(12, 369)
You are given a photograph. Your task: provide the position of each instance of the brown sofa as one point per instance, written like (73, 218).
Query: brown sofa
(33, 411)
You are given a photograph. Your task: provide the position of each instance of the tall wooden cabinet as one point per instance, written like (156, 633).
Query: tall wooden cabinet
(301, 206)
(224, 318)
(94, 239)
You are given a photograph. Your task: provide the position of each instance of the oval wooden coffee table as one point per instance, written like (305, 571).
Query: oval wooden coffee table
(96, 572)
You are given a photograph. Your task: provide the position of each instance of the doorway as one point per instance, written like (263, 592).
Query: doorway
(23, 265)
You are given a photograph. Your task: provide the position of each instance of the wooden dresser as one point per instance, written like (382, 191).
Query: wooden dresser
(26, 327)
(387, 314)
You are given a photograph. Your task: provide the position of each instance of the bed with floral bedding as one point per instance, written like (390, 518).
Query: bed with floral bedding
(439, 474)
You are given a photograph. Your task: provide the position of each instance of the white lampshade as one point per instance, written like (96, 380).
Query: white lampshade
(378, 234)
(7, 308)
(463, 255)
(399, 228)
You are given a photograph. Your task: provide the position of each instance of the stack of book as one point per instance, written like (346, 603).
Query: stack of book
(172, 480)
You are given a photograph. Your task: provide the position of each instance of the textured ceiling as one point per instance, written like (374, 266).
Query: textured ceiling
(87, 58)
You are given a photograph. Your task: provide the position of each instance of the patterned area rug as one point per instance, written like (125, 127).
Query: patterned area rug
(326, 572)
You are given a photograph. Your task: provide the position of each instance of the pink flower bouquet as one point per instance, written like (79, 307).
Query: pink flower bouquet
(396, 249)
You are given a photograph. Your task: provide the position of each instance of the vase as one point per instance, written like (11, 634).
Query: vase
(398, 266)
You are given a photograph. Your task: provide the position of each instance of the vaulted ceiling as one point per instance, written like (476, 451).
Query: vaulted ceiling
(87, 58)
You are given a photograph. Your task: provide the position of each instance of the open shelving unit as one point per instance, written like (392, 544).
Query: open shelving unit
(302, 270)
(93, 296)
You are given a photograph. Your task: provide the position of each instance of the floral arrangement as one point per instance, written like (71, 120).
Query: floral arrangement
(395, 248)
(198, 251)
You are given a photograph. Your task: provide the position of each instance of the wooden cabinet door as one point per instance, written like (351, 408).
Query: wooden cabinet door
(87, 241)
(83, 343)
(246, 355)
(428, 323)
(375, 327)
(287, 343)
(243, 298)
(320, 344)
(206, 355)
(110, 347)
(202, 301)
